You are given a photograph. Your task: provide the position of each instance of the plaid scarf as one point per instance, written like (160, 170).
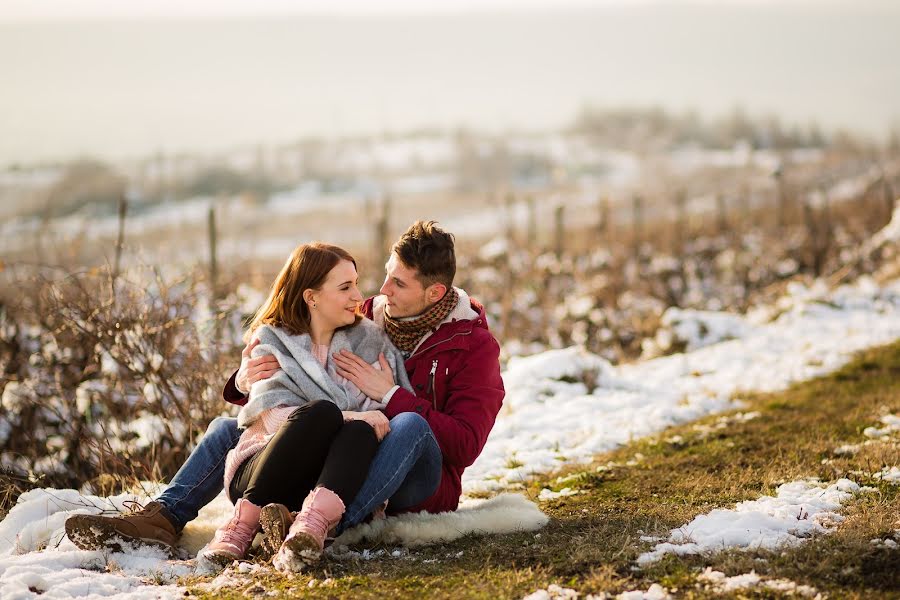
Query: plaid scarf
(406, 333)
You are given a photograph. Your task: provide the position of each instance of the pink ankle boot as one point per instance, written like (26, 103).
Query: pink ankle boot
(233, 539)
(305, 542)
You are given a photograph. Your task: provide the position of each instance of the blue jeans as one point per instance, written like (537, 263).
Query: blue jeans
(201, 477)
(406, 470)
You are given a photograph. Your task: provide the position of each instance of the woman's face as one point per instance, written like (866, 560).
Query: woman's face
(337, 301)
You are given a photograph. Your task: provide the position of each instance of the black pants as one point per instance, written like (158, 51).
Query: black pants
(314, 447)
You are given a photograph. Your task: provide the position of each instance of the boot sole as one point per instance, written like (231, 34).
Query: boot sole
(89, 534)
(304, 547)
(219, 559)
(296, 554)
(274, 529)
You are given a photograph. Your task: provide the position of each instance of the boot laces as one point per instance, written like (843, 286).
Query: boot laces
(236, 532)
(133, 506)
(314, 518)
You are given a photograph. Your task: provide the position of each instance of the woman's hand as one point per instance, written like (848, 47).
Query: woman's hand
(375, 418)
(254, 369)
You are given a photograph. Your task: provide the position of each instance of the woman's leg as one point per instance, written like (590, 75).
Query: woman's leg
(282, 472)
(343, 474)
(348, 460)
(290, 465)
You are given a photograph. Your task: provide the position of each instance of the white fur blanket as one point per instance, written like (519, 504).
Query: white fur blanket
(506, 513)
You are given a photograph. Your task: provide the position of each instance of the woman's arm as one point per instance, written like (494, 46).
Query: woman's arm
(274, 418)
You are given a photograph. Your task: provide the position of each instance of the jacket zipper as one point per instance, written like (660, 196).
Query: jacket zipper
(455, 335)
(434, 364)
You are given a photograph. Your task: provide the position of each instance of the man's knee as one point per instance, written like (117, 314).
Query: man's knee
(409, 423)
(225, 427)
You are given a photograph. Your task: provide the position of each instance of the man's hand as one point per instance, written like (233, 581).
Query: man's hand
(375, 418)
(370, 381)
(254, 369)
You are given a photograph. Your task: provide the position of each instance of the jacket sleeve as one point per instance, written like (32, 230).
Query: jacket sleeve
(231, 393)
(474, 397)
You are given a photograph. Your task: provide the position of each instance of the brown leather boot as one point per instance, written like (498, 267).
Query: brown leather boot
(275, 520)
(144, 525)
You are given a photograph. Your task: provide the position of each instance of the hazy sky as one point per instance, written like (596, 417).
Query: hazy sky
(18, 10)
(87, 9)
(127, 87)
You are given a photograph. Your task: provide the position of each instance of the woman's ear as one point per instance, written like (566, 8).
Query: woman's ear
(308, 297)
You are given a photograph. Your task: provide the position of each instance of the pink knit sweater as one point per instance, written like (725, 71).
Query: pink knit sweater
(255, 437)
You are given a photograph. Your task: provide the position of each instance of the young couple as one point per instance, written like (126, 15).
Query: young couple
(343, 415)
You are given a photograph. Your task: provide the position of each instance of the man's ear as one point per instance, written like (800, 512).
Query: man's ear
(435, 292)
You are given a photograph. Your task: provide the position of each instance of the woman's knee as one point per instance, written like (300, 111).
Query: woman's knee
(361, 431)
(322, 412)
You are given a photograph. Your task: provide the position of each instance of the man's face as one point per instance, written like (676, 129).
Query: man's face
(406, 296)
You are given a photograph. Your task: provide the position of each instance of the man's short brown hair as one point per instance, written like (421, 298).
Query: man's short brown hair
(429, 250)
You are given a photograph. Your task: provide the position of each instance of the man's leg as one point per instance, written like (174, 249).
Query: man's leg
(406, 470)
(198, 481)
(200, 478)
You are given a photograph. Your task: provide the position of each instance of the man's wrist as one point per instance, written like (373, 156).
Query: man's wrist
(389, 394)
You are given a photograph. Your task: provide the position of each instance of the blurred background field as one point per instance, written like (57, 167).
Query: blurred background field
(603, 167)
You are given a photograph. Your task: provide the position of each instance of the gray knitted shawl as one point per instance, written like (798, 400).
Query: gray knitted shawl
(302, 379)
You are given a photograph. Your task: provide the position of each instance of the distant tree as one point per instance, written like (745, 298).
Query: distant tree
(815, 138)
(86, 184)
(893, 143)
(226, 181)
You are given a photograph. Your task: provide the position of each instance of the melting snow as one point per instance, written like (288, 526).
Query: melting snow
(799, 510)
(549, 396)
(562, 406)
(891, 427)
(719, 582)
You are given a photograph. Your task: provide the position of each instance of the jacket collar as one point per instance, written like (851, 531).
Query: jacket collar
(462, 312)
(465, 311)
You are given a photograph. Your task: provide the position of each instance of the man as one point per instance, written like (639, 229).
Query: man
(453, 364)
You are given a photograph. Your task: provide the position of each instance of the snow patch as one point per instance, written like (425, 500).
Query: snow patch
(557, 592)
(889, 474)
(719, 582)
(548, 494)
(891, 427)
(799, 510)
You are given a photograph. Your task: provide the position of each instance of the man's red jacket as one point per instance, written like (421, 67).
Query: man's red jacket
(456, 375)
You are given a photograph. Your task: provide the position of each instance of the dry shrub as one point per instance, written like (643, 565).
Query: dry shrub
(107, 379)
(609, 294)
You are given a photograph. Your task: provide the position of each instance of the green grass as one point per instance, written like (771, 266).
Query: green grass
(593, 538)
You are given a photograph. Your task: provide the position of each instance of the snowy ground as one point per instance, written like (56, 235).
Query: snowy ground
(711, 580)
(562, 406)
(799, 510)
(550, 417)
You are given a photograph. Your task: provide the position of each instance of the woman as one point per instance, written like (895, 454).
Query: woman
(309, 432)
